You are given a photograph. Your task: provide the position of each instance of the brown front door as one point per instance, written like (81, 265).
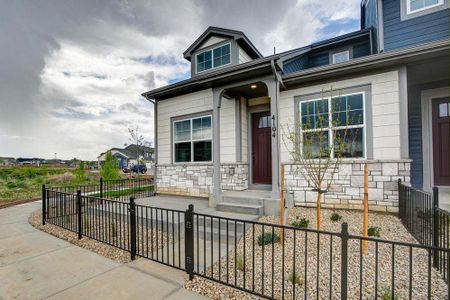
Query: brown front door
(261, 148)
(441, 141)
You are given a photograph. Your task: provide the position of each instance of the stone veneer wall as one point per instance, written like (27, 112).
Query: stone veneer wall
(347, 190)
(196, 179)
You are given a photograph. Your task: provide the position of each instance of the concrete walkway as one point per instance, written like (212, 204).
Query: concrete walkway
(36, 265)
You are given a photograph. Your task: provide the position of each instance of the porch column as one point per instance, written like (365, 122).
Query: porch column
(217, 189)
(273, 92)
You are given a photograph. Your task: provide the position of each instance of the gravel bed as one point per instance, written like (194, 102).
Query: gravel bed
(315, 271)
(106, 250)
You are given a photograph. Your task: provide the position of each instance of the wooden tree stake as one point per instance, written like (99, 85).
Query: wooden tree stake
(319, 195)
(366, 206)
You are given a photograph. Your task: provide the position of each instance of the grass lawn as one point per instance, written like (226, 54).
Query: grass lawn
(123, 192)
(25, 183)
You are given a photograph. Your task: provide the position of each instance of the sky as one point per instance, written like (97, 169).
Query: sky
(72, 72)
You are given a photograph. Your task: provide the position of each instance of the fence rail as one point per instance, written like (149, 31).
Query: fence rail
(268, 260)
(119, 190)
(430, 225)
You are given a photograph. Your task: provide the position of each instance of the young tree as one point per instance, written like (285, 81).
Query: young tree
(320, 140)
(80, 175)
(110, 169)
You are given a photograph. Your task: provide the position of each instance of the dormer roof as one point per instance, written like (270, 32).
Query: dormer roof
(238, 36)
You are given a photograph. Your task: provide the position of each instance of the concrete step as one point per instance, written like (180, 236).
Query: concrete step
(250, 209)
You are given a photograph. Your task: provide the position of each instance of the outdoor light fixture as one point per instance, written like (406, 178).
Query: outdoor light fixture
(253, 86)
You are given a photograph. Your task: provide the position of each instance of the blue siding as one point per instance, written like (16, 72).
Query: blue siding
(370, 14)
(415, 136)
(319, 60)
(418, 30)
(297, 64)
(361, 50)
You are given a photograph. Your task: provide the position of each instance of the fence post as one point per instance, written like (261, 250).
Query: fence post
(101, 189)
(132, 210)
(401, 208)
(189, 241)
(344, 260)
(80, 229)
(436, 226)
(44, 204)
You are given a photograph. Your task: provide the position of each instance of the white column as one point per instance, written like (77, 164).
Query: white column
(217, 189)
(273, 92)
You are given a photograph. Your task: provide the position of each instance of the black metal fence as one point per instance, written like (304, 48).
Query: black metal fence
(119, 190)
(421, 215)
(267, 260)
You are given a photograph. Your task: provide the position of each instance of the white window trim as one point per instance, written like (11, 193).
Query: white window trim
(330, 128)
(212, 58)
(333, 60)
(409, 11)
(191, 140)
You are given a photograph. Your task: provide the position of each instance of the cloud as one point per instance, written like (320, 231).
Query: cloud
(305, 22)
(72, 71)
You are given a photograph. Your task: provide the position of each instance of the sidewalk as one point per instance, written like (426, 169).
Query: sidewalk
(35, 265)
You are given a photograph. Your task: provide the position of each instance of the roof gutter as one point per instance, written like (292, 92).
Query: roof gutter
(380, 60)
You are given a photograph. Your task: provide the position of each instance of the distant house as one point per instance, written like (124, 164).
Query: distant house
(7, 161)
(29, 161)
(130, 155)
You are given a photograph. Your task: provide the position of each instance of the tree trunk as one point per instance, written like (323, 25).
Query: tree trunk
(319, 195)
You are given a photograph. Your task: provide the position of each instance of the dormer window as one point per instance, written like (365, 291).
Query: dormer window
(213, 58)
(340, 57)
(414, 6)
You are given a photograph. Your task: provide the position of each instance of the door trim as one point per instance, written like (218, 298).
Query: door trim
(427, 133)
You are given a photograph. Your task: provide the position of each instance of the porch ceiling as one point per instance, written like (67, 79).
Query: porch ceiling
(254, 90)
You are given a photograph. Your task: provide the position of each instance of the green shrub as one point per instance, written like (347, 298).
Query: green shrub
(15, 184)
(374, 231)
(240, 263)
(80, 175)
(302, 223)
(386, 294)
(268, 238)
(110, 169)
(294, 278)
(335, 217)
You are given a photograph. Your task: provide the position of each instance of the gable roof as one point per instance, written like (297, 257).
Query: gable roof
(130, 151)
(237, 35)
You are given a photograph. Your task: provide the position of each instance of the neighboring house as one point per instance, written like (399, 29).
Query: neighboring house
(7, 161)
(130, 155)
(29, 161)
(222, 129)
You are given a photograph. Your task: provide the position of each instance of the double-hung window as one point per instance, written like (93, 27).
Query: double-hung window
(192, 139)
(420, 5)
(340, 57)
(333, 126)
(213, 58)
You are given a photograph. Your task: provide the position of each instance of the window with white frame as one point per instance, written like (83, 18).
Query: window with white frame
(192, 139)
(333, 124)
(213, 58)
(414, 6)
(340, 57)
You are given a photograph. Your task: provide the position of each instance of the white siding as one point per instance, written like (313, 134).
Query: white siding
(190, 104)
(228, 131)
(385, 111)
(243, 56)
(178, 106)
(211, 41)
